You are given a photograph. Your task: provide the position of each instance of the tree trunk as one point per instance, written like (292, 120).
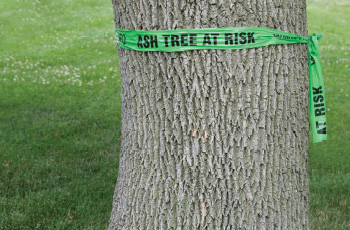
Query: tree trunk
(213, 139)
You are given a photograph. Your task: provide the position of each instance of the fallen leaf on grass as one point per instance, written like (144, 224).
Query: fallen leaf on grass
(70, 218)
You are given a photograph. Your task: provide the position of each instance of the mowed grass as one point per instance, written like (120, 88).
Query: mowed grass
(60, 110)
(330, 161)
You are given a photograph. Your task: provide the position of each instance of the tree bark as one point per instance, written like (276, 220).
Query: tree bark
(213, 139)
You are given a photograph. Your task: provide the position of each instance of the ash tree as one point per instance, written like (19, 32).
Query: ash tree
(213, 139)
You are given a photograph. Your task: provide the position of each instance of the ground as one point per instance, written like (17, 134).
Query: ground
(60, 110)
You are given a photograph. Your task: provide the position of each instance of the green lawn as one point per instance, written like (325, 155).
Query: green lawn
(330, 161)
(60, 110)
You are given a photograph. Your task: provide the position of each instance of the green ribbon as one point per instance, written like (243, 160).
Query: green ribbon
(317, 91)
(236, 38)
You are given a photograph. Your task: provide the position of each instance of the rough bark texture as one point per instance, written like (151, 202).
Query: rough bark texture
(213, 139)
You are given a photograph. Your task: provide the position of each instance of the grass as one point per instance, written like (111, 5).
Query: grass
(330, 161)
(60, 116)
